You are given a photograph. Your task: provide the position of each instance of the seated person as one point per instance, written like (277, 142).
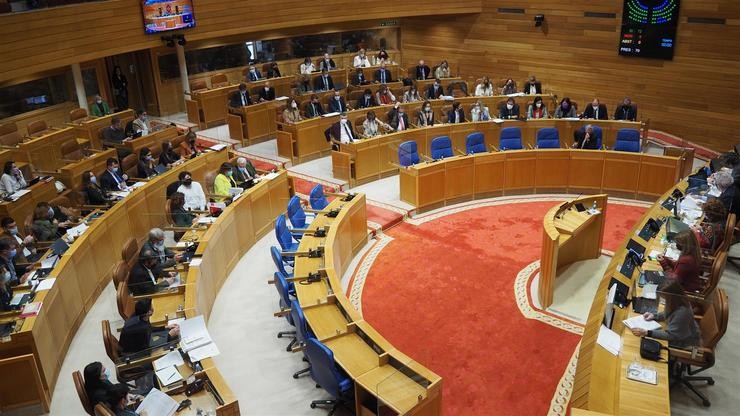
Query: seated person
(426, 115)
(8, 251)
(327, 63)
(307, 67)
(189, 147)
(711, 230)
(180, 216)
(136, 334)
(382, 56)
(341, 132)
(681, 328)
(532, 86)
(412, 95)
(399, 120)
(146, 166)
(99, 108)
(383, 75)
(626, 111)
(168, 157)
(6, 292)
(435, 91)
(509, 87)
(224, 180)
(97, 383)
(384, 96)
(537, 109)
(509, 110)
(241, 97)
(146, 277)
(456, 113)
(358, 78)
(253, 74)
(113, 179)
(25, 245)
(155, 245)
(292, 114)
(725, 184)
(193, 193)
(314, 108)
(12, 179)
(479, 112)
(118, 401)
(323, 82)
(584, 138)
(273, 71)
(366, 100)
(245, 173)
(93, 193)
(565, 109)
(337, 104)
(114, 134)
(484, 89)
(422, 70)
(267, 93)
(372, 126)
(361, 60)
(45, 227)
(686, 269)
(443, 70)
(140, 125)
(596, 111)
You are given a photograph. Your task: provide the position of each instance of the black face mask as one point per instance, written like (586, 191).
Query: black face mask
(187, 182)
(679, 247)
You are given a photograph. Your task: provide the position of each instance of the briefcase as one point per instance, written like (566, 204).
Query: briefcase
(650, 349)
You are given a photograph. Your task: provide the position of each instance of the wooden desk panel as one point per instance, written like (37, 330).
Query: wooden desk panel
(654, 172)
(90, 129)
(458, 180)
(621, 171)
(490, 173)
(24, 206)
(71, 173)
(587, 171)
(551, 170)
(520, 170)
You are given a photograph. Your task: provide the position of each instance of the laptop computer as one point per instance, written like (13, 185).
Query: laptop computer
(59, 247)
(160, 169)
(158, 338)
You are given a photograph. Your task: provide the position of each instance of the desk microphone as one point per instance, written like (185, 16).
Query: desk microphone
(568, 204)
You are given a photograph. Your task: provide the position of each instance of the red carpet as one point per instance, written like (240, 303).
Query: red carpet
(303, 186)
(384, 217)
(442, 293)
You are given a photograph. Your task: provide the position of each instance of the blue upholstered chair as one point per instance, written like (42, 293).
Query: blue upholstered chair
(628, 140)
(286, 290)
(303, 333)
(475, 143)
(283, 235)
(510, 139)
(598, 134)
(317, 199)
(548, 138)
(280, 261)
(297, 216)
(441, 147)
(326, 373)
(408, 154)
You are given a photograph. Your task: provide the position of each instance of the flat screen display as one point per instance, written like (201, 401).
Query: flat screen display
(166, 15)
(649, 28)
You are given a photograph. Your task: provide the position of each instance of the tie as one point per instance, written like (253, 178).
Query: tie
(401, 125)
(254, 75)
(422, 74)
(326, 83)
(314, 109)
(244, 99)
(596, 113)
(349, 133)
(382, 76)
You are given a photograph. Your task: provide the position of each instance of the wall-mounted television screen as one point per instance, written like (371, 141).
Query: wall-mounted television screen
(164, 15)
(649, 28)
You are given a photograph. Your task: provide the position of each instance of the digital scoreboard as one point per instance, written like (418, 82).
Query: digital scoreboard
(649, 28)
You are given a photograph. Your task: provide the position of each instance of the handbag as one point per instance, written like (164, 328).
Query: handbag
(650, 349)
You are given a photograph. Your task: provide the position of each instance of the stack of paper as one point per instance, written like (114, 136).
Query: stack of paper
(218, 146)
(31, 309)
(610, 340)
(516, 94)
(650, 291)
(46, 284)
(76, 231)
(172, 359)
(157, 403)
(672, 253)
(137, 185)
(16, 195)
(206, 220)
(195, 339)
(333, 113)
(168, 375)
(640, 322)
(120, 194)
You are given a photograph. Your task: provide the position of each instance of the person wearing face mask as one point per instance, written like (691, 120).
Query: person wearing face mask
(626, 111)
(383, 75)
(6, 292)
(168, 157)
(422, 70)
(509, 87)
(324, 82)
(456, 113)
(98, 385)
(26, 249)
(113, 179)
(681, 329)
(267, 93)
(44, 227)
(596, 111)
(119, 402)
(99, 108)
(93, 193)
(443, 70)
(8, 252)
(532, 86)
(372, 126)
(273, 71)
(148, 276)
(358, 78)
(479, 112)
(146, 167)
(327, 63)
(195, 198)
(189, 146)
(307, 67)
(399, 120)
(140, 124)
(686, 269)
(341, 132)
(240, 98)
(12, 179)
(245, 173)
(224, 180)
(434, 91)
(484, 89)
(412, 95)
(291, 114)
(164, 256)
(584, 138)
(337, 104)
(426, 115)
(253, 74)
(366, 100)
(361, 60)
(566, 109)
(314, 108)
(537, 109)
(384, 96)
(136, 335)
(509, 110)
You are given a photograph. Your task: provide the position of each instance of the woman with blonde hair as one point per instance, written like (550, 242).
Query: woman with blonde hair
(681, 328)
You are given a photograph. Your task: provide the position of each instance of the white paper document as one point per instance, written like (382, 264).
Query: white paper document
(282, 97)
(640, 322)
(610, 340)
(172, 359)
(157, 403)
(49, 262)
(137, 185)
(46, 284)
(195, 262)
(638, 372)
(120, 194)
(332, 114)
(168, 375)
(193, 333)
(650, 291)
(270, 176)
(176, 321)
(218, 146)
(206, 351)
(206, 220)
(16, 195)
(77, 231)
(672, 253)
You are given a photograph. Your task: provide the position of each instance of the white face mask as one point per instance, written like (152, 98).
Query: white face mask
(6, 276)
(509, 106)
(267, 88)
(427, 108)
(343, 121)
(336, 97)
(294, 105)
(538, 105)
(93, 179)
(595, 106)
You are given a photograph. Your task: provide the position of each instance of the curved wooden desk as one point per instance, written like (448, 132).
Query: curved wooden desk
(569, 236)
(387, 382)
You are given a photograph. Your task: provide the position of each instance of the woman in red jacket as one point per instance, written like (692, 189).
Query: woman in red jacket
(686, 269)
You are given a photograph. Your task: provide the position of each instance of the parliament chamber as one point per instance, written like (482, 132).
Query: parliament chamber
(479, 207)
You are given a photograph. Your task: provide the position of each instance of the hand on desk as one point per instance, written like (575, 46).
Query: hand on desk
(640, 332)
(660, 257)
(179, 257)
(174, 330)
(648, 316)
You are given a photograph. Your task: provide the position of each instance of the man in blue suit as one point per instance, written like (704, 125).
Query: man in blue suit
(253, 74)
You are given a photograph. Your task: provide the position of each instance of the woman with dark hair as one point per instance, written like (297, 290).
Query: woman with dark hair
(686, 268)
(147, 164)
(509, 87)
(711, 231)
(565, 109)
(189, 146)
(537, 109)
(94, 194)
(97, 383)
(681, 328)
(6, 292)
(44, 227)
(120, 88)
(224, 180)
(12, 179)
(118, 401)
(384, 96)
(168, 157)
(426, 115)
(180, 216)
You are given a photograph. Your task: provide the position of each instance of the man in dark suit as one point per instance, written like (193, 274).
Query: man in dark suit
(422, 70)
(323, 82)
(340, 132)
(584, 138)
(245, 173)
(337, 104)
(456, 113)
(136, 335)
(366, 100)
(274, 71)
(399, 119)
(532, 86)
(509, 110)
(434, 91)
(241, 97)
(267, 93)
(253, 74)
(144, 279)
(327, 63)
(626, 111)
(113, 179)
(155, 244)
(314, 108)
(383, 74)
(596, 111)
(358, 78)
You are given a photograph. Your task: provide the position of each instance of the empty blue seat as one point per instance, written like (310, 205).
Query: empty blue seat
(303, 333)
(283, 235)
(326, 373)
(510, 139)
(317, 199)
(475, 143)
(408, 154)
(597, 135)
(280, 261)
(548, 138)
(286, 291)
(628, 140)
(441, 147)
(297, 216)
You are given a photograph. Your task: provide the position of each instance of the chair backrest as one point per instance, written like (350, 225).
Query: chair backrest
(277, 258)
(209, 179)
(111, 343)
(124, 301)
(548, 138)
(9, 135)
(120, 273)
(441, 147)
(101, 410)
(628, 140)
(198, 84)
(316, 197)
(408, 154)
(475, 143)
(729, 233)
(129, 165)
(715, 274)
(130, 251)
(510, 139)
(168, 212)
(324, 370)
(296, 215)
(284, 290)
(713, 323)
(299, 320)
(77, 114)
(598, 135)
(219, 80)
(36, 126)
(71, 150)
(282, 233)
(80, 387)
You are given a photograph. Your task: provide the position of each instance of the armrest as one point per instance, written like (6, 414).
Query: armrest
(137, 179)
(694, 354)
(397, 165)
(2, 146)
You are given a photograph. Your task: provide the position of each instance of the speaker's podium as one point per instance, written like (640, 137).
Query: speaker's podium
(573, 231)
